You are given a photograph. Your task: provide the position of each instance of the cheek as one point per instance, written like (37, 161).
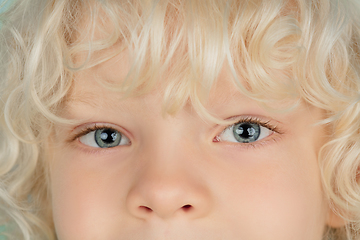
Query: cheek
(84, 200)
(275, 193)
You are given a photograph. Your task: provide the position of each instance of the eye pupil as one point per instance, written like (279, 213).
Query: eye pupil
(107, 137)
(246, 132)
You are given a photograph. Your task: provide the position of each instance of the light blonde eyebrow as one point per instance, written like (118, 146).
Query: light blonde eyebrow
(92, 100)
(84, 98)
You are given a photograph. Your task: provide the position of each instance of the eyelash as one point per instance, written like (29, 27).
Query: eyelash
(89, 129)
(256, 120)
(253, 120)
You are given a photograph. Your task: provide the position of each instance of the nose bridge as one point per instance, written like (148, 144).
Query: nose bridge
(169, 145)
(168, 184)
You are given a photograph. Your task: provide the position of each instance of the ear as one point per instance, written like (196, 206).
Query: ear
(334, 220)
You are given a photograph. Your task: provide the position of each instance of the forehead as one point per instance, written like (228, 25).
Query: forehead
(187, 52)
(92, 92)
(103, 79)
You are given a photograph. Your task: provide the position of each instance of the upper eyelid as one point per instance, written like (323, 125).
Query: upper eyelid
(87, 128)
(271, 124)
(262, 121)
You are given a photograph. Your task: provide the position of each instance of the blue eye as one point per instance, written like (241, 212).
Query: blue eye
(245, 132)
(104, 138)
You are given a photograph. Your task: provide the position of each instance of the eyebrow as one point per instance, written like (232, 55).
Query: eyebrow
(84, 98)
(91, 99)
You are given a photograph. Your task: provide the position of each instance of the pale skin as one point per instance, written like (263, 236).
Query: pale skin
(181, 177)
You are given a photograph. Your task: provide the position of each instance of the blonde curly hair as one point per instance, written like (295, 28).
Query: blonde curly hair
(313, 44)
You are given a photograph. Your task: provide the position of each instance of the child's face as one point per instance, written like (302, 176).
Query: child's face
(181, 177)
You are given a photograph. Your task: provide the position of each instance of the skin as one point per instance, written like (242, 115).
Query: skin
(179, 177)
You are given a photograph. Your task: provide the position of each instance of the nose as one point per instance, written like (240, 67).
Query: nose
(169, 185)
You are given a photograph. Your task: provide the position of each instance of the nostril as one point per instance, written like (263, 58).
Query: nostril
(187, 207)
(145, 209)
